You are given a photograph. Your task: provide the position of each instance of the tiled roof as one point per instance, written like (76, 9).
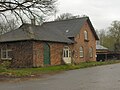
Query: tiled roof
(55, 31)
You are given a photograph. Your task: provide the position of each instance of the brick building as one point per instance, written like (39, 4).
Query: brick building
(52, 43)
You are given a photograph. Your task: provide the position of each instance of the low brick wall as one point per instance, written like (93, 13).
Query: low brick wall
(22, 53)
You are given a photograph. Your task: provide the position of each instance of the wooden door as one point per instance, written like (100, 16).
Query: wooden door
(46, 54)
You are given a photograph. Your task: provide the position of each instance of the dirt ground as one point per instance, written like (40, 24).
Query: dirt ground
(5, 78)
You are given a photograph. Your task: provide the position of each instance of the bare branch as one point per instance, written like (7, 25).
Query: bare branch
(27, 6)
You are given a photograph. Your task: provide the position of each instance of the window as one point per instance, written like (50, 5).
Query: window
(91, 52)
(66, 52)
(6, 54)
(81, 52)
(85, 35)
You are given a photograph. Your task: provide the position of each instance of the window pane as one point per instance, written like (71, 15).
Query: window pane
(3, 54)
(85, 35)
(81, 52)
(6, 54)
(66, 53)
(69, 53)
(81, 49)
(91, 52)
(9, 53)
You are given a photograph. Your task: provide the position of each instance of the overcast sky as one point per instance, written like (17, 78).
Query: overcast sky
(101, 12)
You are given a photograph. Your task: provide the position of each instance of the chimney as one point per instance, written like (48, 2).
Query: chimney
(33, 21)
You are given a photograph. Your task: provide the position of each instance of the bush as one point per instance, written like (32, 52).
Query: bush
(6, 64)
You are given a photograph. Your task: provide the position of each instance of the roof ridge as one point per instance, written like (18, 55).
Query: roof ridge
(66, 20)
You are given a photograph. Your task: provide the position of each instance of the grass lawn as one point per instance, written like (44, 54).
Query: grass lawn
(24, 72)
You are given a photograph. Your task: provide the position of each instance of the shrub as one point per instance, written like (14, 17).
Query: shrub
(6, 64)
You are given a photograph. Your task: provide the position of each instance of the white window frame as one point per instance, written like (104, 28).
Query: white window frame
(66, 52)
(6, 54)
(81, 51)
(85, 35)
(91, 52)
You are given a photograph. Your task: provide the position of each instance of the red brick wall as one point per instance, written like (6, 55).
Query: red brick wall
(56, 50)
(86, 45)
(55, 53)
(30, 53)
(38, 54)
(22, 54)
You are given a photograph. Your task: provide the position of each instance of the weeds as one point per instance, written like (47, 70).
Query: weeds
(4, 70)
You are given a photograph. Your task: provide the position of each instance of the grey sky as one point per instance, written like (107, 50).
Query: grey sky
(101, 12)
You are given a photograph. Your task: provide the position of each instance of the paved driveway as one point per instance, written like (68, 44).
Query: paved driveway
(95, 78)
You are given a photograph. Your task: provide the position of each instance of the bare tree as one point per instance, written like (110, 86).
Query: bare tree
(66, 16)
(26, 8)
(102, 34)
(6, 27)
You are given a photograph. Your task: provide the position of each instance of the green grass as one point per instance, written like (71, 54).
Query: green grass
(51, 69)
